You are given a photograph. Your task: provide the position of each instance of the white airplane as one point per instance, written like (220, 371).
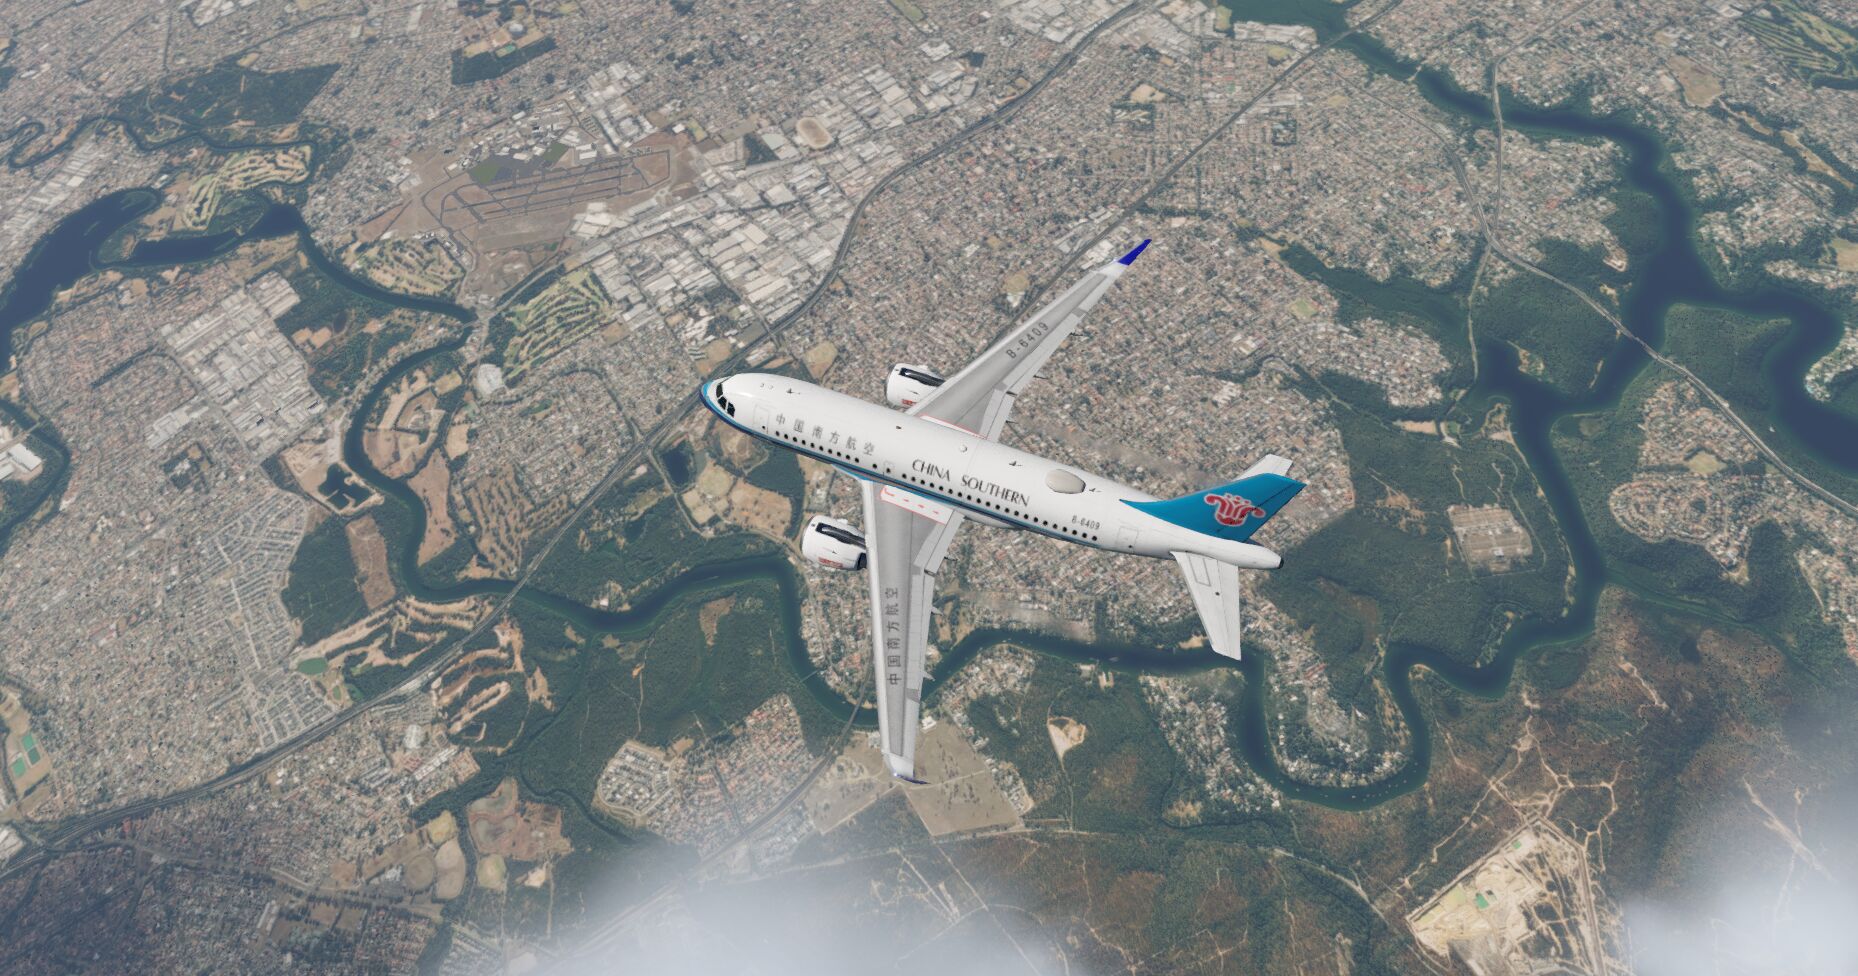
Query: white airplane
(937, 463)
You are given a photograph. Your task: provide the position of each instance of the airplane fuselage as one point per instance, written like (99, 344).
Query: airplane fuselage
(938, 466)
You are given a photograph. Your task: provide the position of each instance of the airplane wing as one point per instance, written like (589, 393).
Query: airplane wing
(906, 536)
(978, 398)
(1215, 588)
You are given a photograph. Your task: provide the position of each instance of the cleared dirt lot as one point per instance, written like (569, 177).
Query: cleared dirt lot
(760, 509)
(433, 485)
(370, 552)
(961, 794)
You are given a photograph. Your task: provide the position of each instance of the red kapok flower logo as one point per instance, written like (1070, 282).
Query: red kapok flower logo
(1230, 509)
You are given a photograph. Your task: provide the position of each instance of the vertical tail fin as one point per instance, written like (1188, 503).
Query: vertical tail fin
(1231, 511)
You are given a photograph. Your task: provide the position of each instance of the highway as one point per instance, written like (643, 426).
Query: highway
(602, 936)
(1167, 175)
(1502, 249)
(42, 844)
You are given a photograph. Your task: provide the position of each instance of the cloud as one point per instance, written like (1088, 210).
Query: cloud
(1803, 925)
(875, 915)
(1771, 901)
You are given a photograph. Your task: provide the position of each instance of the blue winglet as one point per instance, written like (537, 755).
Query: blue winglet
(1129, 258)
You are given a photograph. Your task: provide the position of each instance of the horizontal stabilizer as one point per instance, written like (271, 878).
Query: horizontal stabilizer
(1269, 464)
(1215, 589)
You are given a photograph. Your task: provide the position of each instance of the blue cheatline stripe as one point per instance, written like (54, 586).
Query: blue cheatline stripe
(867, 474)
(1132, 255)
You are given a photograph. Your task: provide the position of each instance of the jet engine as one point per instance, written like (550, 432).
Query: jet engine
(832, 543)
(908, 384)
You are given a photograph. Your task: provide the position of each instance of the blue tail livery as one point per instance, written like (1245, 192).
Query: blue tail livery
(1233, 511)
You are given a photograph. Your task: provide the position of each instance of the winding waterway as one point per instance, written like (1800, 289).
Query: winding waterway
(1674, 273)
(76, 248)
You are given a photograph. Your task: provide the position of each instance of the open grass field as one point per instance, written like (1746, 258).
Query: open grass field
(1824, 52)
(412, 267)
(561, 314)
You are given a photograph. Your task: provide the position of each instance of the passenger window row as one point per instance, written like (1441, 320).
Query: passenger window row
(912, 479)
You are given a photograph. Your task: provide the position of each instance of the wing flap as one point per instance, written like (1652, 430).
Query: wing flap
(1215, 589)
(906, 537)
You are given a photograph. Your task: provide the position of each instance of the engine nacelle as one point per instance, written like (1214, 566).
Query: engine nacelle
(908, 384)
(832, 543)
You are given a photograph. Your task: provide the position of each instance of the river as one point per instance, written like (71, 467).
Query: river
(76, 248)
(1673, 274)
